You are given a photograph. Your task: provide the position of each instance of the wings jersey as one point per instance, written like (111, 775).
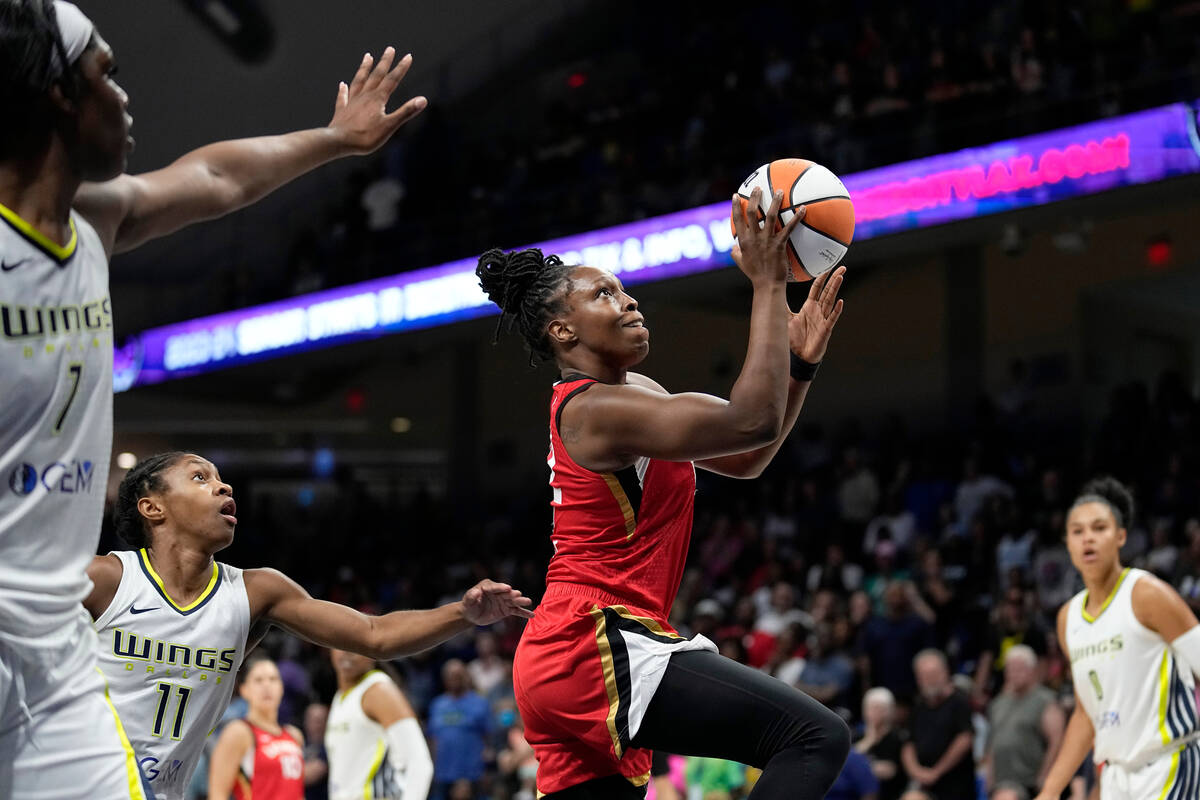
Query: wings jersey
(625, 532)
(1139, 696)
(171, 670)
(56, 359)
(356, 747)
(273, 769)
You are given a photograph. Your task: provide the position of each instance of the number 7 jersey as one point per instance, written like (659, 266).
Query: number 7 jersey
(171, 669)
(56, 362)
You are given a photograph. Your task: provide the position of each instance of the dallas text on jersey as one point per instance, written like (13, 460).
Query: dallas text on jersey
(169, 655)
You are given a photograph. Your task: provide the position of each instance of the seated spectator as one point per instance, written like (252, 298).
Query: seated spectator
(881, 742)
(857, 490)
(1012, 624)
(887, 644)
(937, 751)
(827, 675)
(835, 573)
(1026, 725)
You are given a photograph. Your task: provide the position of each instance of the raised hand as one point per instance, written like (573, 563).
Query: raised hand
(809, 330)
(761, 249)
(360, 116)
(487, 602)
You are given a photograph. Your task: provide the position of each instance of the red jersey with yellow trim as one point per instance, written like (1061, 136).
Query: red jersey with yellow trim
(624, 532)
(272, 770)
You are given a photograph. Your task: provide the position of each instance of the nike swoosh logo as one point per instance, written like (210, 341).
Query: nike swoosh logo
(135, 610)
(9, 267)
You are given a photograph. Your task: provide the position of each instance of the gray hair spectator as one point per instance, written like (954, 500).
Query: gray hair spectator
(1026, 725)
(881, 742)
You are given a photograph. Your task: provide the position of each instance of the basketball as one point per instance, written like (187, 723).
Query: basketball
(820, 241)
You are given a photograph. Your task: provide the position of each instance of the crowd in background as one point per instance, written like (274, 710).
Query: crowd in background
(611, 127)
(909, 582)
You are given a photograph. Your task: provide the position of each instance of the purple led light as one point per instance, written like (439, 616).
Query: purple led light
(1033, 170)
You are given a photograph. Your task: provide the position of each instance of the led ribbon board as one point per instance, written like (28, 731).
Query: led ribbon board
(1034, 170)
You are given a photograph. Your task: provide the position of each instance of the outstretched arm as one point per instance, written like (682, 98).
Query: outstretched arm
(808, 337)
(223, 177)
(277, 599)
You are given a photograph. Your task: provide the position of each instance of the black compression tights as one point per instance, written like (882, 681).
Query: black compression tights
(708, 705)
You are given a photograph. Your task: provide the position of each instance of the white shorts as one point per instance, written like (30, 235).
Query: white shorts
(1170, 777)
(60, 737)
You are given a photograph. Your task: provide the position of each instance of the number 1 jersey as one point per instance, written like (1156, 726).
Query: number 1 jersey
(171, 669)
(56, 361)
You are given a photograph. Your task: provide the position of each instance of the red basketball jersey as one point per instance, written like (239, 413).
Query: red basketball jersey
(273, 770)
(625, 533)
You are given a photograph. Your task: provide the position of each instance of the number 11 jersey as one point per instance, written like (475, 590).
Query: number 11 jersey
(171, 669)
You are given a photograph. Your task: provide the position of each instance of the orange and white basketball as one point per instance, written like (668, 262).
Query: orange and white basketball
(820, 241)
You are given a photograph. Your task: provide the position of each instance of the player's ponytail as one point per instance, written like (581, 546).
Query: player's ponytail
(527, 288)
(1112, 493)
(144, 478)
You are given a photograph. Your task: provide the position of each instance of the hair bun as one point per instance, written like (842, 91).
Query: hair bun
(506, 277)
(1115, 493)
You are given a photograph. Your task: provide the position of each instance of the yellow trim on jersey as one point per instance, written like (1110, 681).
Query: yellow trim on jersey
(1088, 617)
(357, 683)
(208, 590)
(610, 677)
(639, 780)
(132, 773)
(1164, 695)
(380, 750)
(651, 624)
(622, 499)
(1171, 774)
(58, 251)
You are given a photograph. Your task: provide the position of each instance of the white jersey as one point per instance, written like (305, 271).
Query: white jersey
(356, 747)
(171, 670)
(56, 361)
(1138, 695)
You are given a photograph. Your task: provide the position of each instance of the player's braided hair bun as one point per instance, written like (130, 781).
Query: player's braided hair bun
(1113, 492)
(143, 479)
(526, 286)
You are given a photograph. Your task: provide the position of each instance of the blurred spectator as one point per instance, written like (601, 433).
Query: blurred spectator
(857, 490)
(894, 523)
(1027, 725)
(458, 725)
(1013, 624)
(835, 572)
(888, 644)
(713, 779)
(973, 490)
(487, 669)
(1187, 570)
(881, 742)
(828, 675)
(937, 751)
(856, 781)
(782, 611)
